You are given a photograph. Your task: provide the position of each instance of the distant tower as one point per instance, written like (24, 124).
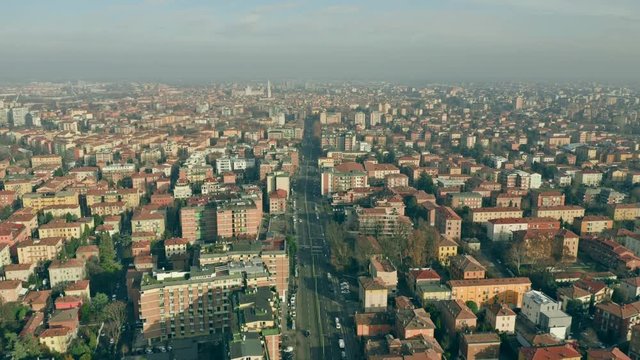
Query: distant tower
(519, 103)
(268, 89)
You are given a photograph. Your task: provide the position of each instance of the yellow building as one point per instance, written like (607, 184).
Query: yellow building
(621, 212)
(565, 213)
(39, 201)
(445, 249)
(39, 160)
(491, 213)
(33, 251)
(60, 228)
(57, 339)
(131, 197)
(488, 291)
(148, 222)
(59, 211)
(20, 187)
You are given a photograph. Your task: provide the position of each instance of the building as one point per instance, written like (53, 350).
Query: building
(549, 198)
(616, 319)
(278, 180)
(501, 318)
(66, 271)
(587, 291)
(239, 218)
(343, 177)
(33, 251)
(372, 294)
(621, 212)
(396, 180)
(593, 224)
(472, 200)
(557, 352)
(465, 267)
(485, 214)
(277, 202)
(412, 323)
(164, 299)
(57, 339)
(503, 229)
(609, 253)
(5, 255)
(146, 221)
(60, 228)
(40, 160)
(198, 223)
(39, 201)
(545, 313)
(448, 222)
(457, 316)
(488, 291)
(445, 248)
(175, 246)
(566, 213)
(10, 290)
(20, 272)
(606, 354)
(86, 252)
(480, 346)
(372, 324)
(384, 269)
(588, 178)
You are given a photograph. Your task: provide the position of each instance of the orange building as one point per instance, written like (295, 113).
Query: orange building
(488, 291)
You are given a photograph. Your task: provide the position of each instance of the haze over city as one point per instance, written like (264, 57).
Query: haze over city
(201, 41)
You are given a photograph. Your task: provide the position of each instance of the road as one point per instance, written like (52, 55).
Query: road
(319, 300)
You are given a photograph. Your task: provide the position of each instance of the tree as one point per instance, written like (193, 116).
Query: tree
(425, 183)
(472, 306)
(108, 253)
(617, 296)
(420, 241)
(26, 347)
(340, 248)
(5, 212)
(114, 315)
(58, 172)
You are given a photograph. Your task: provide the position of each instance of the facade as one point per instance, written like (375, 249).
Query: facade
(33, 251)
(545, 313)
(617, 319)
(383, 269)
(480, 346)
(503, 229)
(198, 223)
(343, 177)
(472, 200)
(60, 228)
(501, 318)
(39, 201)
(457, 316)
(71, 270)
(485, 214)
(466, 267)
(488, 291)
(621, 212)
(238, 218)
(593, 224)
(152, 222)
(567, 213)
(373, 294)
(448, 222)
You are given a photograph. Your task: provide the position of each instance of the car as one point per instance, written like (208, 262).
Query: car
(341, 343)
(169, 347)
(162, 349)
(306, 333)
(149, 350)
(112, 341)
(343, 355)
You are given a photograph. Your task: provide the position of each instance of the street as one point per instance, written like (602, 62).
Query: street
(319, 300)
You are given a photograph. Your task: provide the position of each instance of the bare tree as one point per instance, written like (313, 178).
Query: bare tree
(114, 315)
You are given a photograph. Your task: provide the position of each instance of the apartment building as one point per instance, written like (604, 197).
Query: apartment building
(149, 221)
(444, 249)
(503, 229)
(566, 213)
(39, 201)
(48, 160)
(175, 246)
(472, 200)
(379, 171)
(592, 224)
(59, 211)
(277, 202)
(10, 290)
(485, 214)
(60, 228)
(19, 186)
(383, 268)
(198, 223)
(549, 198)
(501, 318)
(488, 291)
(373, 294)
(465, 267)
(238, 218)
(108, 208)
(71, 270)
(617, 319)
(545, 313)
(131, 197)
(343, 177)
(588, 178)
(448, 222)
(609, 253)
(32, 251)
(622, 212)
(174, 305)
(457, 315)
(396, 180)
(480, 346)
(7, 198)
(381, 220)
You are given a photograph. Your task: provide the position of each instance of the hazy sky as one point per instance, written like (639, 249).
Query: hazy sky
(204, 40)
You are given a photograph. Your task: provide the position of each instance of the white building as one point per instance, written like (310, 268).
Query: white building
(19, 116)
(545, 313)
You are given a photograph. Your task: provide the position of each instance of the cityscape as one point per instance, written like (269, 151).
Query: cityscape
(309, 180)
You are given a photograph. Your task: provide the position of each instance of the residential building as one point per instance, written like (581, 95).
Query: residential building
(472, 200)
(545, 313)
(33, 251)
(485, 214)
(501, 318)
(448, 222)
(445, 248)
(70, 270)
(372, 294)
(239, 218)
(465, 267)
(557, 352)
(457, 316)
(621, 212)
(57, 339)
(592, 224)
(149, 221)
(10, 290)
(412, 323)
(503, 229)
(39, 201)
(617, 319)
(343, 177)
(480, 346)
(566, 213)
(198, 223)
(383, 268)
(487, 291)
(175, 246)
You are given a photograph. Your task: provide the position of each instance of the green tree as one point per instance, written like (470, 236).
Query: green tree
(617, 296)
(472, 306)
(108, 253)
(5, 212)
(59, 172)
(425, 183)
(26, 347)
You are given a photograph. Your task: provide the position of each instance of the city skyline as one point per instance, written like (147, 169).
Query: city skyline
(407, 41)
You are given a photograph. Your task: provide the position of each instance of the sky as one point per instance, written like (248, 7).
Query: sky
(200, 41)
